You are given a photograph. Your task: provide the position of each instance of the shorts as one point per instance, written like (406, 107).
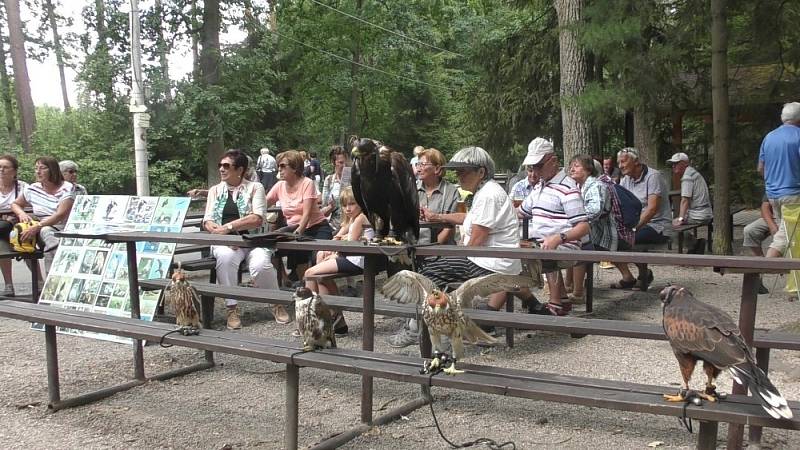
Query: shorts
(344, 265)
(781, 239)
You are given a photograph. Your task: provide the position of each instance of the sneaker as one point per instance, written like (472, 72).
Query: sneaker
(404, 338)
(761, 289)
(234, 322)
(280, 314)
(8, 291)
(340, 325)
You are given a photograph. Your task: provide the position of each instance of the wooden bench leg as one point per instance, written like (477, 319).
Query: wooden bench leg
(292, 405)
(762, 359)
(509, 330)
(53, 384)
(680, 242)
(707, 436)
(747, 317)
(589, 286)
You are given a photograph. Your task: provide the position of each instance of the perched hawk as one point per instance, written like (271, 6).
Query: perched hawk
(445, 314)
(385, 188)
(701, 332)
(184, 299)
(314, 320)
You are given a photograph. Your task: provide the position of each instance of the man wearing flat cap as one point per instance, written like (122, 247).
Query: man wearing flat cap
(695, 199)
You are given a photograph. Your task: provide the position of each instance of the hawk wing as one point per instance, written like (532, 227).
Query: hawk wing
(465, 295)
(408, 287)
(701, 330)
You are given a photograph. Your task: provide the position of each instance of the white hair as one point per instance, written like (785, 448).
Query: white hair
(791, 112)
(265, 151)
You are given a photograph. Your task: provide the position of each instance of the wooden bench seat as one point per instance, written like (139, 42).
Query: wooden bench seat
(693, 227)
(485, 379)
(569, 325)
(185, 249)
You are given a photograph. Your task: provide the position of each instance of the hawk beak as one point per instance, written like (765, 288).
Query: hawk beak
(437, 308)
(354, 152)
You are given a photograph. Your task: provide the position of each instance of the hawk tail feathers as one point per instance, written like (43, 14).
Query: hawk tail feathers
(472, 333)
(771, 400)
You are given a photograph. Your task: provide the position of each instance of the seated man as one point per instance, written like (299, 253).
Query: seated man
(558, 218)
(524, 187)
(655, 222)
(611, 170)
(695, 198)
(757, 232)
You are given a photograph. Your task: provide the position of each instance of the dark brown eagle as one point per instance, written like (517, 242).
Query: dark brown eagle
(385, 188)
(314, 320)
(445, 314)
(701, 332)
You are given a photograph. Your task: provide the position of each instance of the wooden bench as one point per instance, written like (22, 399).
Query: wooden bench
(736, 409)
(750, 267)
(693, 227)
(32, 259)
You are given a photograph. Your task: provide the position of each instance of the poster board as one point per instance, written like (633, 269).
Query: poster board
(92, 275)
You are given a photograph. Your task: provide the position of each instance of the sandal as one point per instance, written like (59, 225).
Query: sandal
(623, 284)
(281, 315)
(558, 310)
(578, 299)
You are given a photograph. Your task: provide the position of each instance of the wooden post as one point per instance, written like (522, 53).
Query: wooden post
(747, 319)
(292, 406)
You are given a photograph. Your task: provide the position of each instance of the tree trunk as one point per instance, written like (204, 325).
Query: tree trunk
(273, 15)
(104, 83)
(51, 15)
(643, 138)
(5, 92)
(354, 92)
(721, 112)
(209, 68)
(252, 26)
(572, 61)
(161, 48)
(22, 83)
(195, 43)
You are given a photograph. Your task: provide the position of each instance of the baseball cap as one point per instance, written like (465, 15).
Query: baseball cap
(537, 150)
(678, 157)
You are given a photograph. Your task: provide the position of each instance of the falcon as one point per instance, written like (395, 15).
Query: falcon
(314, 320)
(445, 314)
(185, 301)
(385, 188)
(700, 332)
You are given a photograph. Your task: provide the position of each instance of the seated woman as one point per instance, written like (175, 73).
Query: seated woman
(298, 201)
(236, 205)
(51, 198)
(490, 222)
(598, 206)
(355, 227)
(331, 206)
(10, 189)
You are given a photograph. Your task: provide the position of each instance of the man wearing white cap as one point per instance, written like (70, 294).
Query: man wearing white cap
(558, 219)
(695, 198)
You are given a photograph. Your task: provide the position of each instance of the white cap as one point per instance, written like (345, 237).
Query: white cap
(678, 157)
(537, 149)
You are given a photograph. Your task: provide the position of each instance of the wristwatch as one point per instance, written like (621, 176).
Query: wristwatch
(229, 227)
(563, 237)
(680, 219)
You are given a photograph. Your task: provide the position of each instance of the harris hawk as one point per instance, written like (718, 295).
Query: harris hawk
(385, 188)
(700, 332)
(445, 314)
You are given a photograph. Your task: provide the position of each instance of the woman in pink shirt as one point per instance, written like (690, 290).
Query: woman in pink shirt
(298, 201)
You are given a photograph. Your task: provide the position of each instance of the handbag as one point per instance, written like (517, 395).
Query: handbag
(15, 238)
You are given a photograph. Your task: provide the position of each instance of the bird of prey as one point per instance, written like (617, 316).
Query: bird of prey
(386, 190)
(314, 320)
(445, 314)
(701, 332)
(184, 300)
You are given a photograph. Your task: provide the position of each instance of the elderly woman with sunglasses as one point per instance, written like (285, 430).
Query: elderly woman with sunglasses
(298, 200)
(236, 206)
(69, 169)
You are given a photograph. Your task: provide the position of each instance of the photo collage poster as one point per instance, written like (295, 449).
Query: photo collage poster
(92, 275)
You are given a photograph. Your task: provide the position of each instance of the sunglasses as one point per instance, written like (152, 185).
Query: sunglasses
(226, 166)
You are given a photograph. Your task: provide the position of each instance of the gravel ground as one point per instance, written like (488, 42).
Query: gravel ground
(240, 403)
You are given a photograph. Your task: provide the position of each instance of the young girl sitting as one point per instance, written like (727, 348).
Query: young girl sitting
(354, 226)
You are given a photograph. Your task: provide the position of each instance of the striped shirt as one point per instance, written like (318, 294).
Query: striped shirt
(43, 204)
(555, 206)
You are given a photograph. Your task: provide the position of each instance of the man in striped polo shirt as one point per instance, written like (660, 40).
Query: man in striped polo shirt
(558, 220)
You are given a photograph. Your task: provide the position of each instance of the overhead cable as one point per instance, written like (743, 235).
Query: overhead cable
(396, 33)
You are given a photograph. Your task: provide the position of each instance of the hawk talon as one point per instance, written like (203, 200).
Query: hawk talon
(681, 396)
(451, 370)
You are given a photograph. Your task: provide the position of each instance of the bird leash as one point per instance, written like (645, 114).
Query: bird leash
(184, 331)
(489, 443)
(694, 399)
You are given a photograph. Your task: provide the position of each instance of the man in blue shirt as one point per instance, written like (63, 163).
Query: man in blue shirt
(779, 163)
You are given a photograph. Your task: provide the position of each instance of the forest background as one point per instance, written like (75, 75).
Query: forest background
(438, 73)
